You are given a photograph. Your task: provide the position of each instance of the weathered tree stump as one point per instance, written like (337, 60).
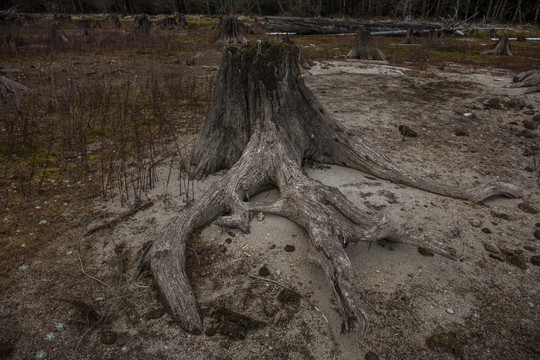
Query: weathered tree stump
(262, 125)
(63, 19)
(502, 47)
(432, 37)
(230, 32)
(84, 27)
(141, 25)
(56, 34)
(116, 22)
(182, 21)
(410, 38)
(365, 48)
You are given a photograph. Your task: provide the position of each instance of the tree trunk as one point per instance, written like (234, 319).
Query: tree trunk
(230, 32)
(365, 48)
(262, 124)
(502, 47)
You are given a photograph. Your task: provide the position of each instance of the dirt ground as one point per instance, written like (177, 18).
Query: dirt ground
(470, 129)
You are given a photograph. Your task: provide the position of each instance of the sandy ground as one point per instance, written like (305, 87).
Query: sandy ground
(483, 306)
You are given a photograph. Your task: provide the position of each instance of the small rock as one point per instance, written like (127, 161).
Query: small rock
(535, 260)
(231, 233)
(476, 223)
(517, 103)
(371, 356)
(537, 234)
(462, 132)
(108, 337)
(289, 248)
(264, 271)
(211, 331)
(528, 208)
(450, 311)
(260, 216)
(528, 134)
(286, 296)
(222, 249)
(407, 131)
(518, 251)
(530, 248)
(531, 125)
(273, 246)
(5, 350)
(154, 314)
(446, 342)
(529, 169)
(491, 248)
(528, 112)
(518, 261)
(494, 103)
(425, 252)
(500, 214)
(486, 230)
(496, 257)
(228, 240)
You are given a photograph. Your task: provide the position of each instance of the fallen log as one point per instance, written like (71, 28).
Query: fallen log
(309, 26)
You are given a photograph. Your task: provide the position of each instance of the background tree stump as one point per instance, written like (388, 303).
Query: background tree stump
(230, 32)
(502, 47)
(141, 25)
(365, 48)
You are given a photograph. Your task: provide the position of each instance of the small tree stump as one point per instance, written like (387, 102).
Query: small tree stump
(84, 27)
(433, 37)
(410, 38)
(230, 32)
(63, 19)
(141, 25)
(502, 47)
(116, 22)
(171, 23)
(56, 34)
(365, 48)
(182, 22)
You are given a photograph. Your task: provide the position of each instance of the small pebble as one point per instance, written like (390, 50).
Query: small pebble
(450, 311)
(264, 271)
(289, 248)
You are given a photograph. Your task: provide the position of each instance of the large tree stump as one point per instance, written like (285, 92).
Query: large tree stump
(262, 125)
(502, 47)
(230, 32)
(141, 25)
(365, 48)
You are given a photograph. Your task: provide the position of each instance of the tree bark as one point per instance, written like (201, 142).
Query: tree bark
(365, 48)
(502, 47)
(262, 124)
